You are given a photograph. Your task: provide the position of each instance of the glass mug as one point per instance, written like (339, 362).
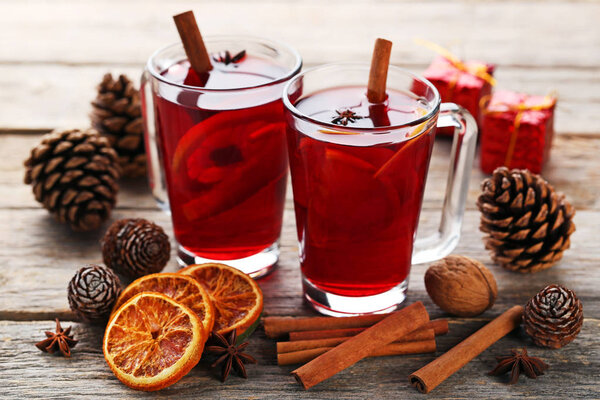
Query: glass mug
(217, 156)
(358, 189)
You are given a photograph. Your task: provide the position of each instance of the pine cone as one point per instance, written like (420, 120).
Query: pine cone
(553, 317)
(93, 292)
(117, 115)
(74, 175)
(527, 223)
(135, 247)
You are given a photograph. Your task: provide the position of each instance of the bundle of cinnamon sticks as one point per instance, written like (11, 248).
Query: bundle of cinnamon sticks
(315, 336)
(408, 331)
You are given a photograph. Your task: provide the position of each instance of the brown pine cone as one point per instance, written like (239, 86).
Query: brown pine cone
(73, 174)
(92, 293)
(527, 223)
(553, 317)
(117, 115)
(136, 247)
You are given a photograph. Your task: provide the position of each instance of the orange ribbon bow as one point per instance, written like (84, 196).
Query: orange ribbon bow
(479, 70)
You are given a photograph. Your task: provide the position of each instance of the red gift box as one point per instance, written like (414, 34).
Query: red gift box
(516, 131)
(463, 83)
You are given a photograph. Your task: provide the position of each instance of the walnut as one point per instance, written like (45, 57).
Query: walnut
(461, 286)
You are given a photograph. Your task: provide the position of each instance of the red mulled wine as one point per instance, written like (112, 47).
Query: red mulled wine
(358, 196)
(225, 165)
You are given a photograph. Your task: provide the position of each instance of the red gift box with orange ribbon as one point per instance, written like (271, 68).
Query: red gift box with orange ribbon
(516, 131)
(464, 83)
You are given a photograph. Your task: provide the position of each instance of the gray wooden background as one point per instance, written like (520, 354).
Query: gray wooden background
(53, 53)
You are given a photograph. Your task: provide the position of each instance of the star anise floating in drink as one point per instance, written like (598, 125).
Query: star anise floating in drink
(519, 363)
(226, 58)
(345, 116)
(230, 355)
(61, 340)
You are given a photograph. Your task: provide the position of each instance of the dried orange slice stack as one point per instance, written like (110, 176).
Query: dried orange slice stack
(152, 341)
(160, 323)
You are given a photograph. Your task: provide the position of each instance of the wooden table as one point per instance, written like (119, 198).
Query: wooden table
(52, 54)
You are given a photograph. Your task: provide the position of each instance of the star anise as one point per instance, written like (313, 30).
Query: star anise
(345, 116)
(532, 367)
(226, 58)
(229, 354)
(61, 340)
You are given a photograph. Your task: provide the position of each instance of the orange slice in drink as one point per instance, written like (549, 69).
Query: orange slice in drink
(237, 299)
(152, 341)
(180, 288)
(346, 203)
(236, 164)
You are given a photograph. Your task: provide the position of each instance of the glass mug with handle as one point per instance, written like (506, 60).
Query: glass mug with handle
(358, 176)
(217, 156)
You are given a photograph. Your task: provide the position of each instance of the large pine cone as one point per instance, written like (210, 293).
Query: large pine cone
(553, 317)
(527, 223)
(74, 175)
(92, 293)
(135, 247)
(117, 115)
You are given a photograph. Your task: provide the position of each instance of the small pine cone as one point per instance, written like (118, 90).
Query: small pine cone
(93, 292)
(117, 115)
(553, 317)
(74, 174)
(135, 247)
(527, 223)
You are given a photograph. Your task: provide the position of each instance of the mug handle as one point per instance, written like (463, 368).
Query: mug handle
(442, 242)
(156, 176)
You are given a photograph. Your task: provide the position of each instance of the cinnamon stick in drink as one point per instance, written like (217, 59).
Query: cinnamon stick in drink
(392, 349)
(440, 326)
(376, 89)
(288, 347)
(379, 70)
(394, 326)
(192, 42)
(434, 373)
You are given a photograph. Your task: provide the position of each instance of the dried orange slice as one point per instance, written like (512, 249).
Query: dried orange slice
(152, 341)
(237, 299)
(180, 288)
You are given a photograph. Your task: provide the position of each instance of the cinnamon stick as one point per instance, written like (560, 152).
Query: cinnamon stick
(379, 69)
(394, 326)
(434, 373)
(440, 326)
(288, 347)
(325, 334)
(192, 42)
(392, 349)
(276, 327)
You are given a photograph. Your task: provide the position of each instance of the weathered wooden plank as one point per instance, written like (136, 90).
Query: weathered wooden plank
(50, 96)
(572, 157)
(109, 32)
(50, 65)
(39, 258)
(28, 372)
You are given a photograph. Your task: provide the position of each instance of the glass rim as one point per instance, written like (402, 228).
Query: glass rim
(364, 66)
(270, 43)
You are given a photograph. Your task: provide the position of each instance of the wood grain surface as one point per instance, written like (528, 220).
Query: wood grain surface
(52, 54)
(51, 62)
